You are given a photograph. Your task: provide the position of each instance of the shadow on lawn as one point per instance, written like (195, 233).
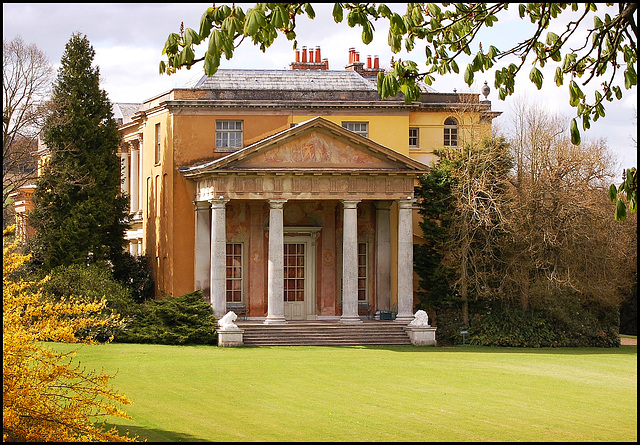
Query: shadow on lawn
(155, 434)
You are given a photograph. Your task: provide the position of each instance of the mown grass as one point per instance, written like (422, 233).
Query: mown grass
(465, 393)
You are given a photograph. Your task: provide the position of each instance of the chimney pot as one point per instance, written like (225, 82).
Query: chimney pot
(357, 57)
(318, 59)
(326, 64)
(297, 56)
(368, 62)
(304, 54)
(376, 62)
(310, 56)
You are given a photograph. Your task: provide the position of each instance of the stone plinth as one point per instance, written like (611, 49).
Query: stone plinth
(230, 337)
(422, 335)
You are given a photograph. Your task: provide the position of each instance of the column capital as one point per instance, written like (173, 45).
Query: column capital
(201, 205)
(383, 205)
(350, 203)
(218, 203)
(406, 203)
(276, 203)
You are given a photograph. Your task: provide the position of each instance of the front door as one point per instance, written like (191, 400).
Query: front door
(299, 298)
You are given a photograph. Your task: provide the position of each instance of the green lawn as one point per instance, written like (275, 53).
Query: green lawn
(395, 393)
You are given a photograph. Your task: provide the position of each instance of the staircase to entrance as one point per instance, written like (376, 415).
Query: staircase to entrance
(324, 333)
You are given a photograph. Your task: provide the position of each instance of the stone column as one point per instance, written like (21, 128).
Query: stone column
(218, 281)
(275, 279)
(405, 261)
(140, 176)
(202, 266)
(383, 256)
(124, 172)
(350, 263)
(134, 177)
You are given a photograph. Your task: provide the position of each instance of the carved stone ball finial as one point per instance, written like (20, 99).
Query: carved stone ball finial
(485, 90)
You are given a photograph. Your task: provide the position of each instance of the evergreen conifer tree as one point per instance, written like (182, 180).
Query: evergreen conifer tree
(79, 211)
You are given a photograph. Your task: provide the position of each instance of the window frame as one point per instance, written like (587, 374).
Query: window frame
(158, 141)
(233, 279)
(223, 135)
(351, 126)
(416, 145)
(363, 279)
(450, 133)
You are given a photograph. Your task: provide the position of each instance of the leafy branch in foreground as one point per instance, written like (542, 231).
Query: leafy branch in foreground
(447, 31)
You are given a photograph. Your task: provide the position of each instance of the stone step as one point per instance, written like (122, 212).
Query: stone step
(323, 333)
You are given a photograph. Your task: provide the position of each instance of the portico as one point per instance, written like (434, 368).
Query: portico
(299, 226)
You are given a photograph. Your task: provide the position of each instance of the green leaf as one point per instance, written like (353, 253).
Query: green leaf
(621, 211)
(558, 78)
(613, 193)
(191, 37)
(536, 77)
(367, 33)
(521, 9)
(575, 133)
(575, 93)
(254, 19)
(468, 75)
(211, 64)
(397, 24)
(205, 26)
(630, 78)
(337, 12)
(309, 10)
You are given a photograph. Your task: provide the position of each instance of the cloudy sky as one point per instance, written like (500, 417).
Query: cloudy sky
(128, 39)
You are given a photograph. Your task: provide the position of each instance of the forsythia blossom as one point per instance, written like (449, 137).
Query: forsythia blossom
(45, 396)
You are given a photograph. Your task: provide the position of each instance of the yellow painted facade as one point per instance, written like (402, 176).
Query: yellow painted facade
(173, 164)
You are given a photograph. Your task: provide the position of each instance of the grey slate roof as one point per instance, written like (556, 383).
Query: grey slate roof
(124, 111)
(285, 80)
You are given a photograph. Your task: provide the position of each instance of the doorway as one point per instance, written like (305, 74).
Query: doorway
(299, 278)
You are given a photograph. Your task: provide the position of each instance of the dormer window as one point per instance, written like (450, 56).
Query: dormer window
(450, 132)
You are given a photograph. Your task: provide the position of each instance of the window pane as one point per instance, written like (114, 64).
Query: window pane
(228, 134)
(234, 272)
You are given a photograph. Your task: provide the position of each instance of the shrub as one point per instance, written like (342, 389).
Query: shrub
(134, 272)
(187, 319)
(565, 323)
(90, 283)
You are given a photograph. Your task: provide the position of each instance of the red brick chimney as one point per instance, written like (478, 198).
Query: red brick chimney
(359, 67)
(314, 61)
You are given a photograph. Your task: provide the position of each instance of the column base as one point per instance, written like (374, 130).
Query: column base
(275, 320)
(350, 320)
(406, 319)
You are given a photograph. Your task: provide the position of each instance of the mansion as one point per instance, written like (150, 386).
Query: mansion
(288, 192)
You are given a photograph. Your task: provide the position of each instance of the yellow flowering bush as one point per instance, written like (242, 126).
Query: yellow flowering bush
(45, 396)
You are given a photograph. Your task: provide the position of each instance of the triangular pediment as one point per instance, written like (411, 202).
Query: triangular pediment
(314, 145)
